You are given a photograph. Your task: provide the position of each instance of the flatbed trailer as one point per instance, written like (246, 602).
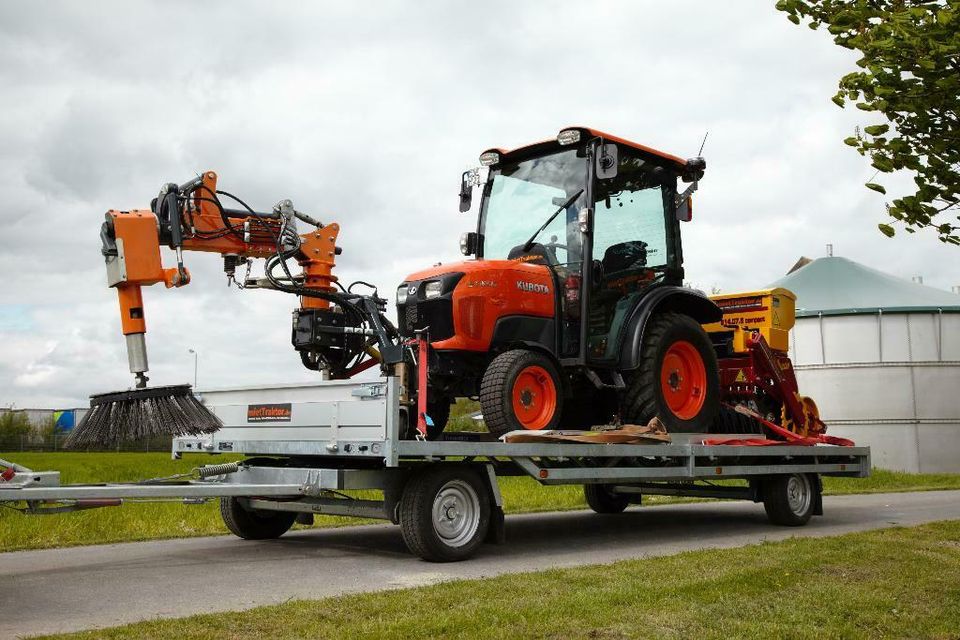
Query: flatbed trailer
(305, 445)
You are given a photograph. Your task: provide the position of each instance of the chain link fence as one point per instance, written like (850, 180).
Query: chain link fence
(55, 442)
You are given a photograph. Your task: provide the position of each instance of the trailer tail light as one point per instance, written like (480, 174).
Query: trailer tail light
(571, 289)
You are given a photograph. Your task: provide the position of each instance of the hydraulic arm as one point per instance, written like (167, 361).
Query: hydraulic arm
(334, 329)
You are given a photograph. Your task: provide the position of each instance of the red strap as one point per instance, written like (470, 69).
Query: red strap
(789, 437)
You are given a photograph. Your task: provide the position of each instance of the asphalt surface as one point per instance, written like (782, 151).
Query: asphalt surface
(58, 590)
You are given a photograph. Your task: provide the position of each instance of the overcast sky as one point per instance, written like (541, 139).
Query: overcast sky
(366, 114)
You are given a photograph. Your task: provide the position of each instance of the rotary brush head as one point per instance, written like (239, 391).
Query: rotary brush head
(140, 414)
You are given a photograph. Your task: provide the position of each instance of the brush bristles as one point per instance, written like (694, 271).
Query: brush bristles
(135, 416)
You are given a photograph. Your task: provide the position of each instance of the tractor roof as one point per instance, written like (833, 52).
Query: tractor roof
(678, 162)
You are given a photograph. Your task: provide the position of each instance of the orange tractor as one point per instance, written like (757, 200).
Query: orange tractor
(571, 313)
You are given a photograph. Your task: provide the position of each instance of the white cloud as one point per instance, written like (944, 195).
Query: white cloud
(367, 118)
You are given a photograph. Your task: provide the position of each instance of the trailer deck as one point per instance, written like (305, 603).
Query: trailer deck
(306, 445)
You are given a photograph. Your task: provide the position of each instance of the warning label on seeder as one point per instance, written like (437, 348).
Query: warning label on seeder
(269, 412)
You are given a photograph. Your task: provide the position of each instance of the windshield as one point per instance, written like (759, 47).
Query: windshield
(521, 197)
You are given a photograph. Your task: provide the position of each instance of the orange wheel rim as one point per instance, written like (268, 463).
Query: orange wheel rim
(534, 397)
(683, 380)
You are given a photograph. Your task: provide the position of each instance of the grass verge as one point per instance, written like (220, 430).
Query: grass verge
(897, 582)
(147, 521)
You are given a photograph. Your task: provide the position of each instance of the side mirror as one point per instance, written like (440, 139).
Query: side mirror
(469, 242)
(685, 209)
(607, 161)
(466, 191)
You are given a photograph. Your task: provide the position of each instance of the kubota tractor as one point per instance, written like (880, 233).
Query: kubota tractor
(572, 312)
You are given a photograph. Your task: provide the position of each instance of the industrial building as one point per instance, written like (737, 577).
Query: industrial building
(881, 357)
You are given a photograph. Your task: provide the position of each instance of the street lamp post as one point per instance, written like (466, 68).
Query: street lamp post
(196, 361)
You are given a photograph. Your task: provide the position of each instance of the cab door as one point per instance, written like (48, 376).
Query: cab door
(634, 246)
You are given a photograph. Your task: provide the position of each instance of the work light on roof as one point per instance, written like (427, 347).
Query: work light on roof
(568, 136)
(488, 158)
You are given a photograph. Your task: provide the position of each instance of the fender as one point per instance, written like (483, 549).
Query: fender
(664, 298)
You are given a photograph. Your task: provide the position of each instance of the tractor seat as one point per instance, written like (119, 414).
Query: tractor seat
(625, 256)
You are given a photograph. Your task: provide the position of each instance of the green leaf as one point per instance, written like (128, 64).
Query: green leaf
(886, 230)
(876, 129)
(876, 187)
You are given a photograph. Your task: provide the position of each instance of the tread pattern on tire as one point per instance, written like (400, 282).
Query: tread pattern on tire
(729, 420)
(641, 394)
(417, 501)
(251, 525)
(494, 386)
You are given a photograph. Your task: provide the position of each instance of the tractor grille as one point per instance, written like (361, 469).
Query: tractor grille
(411, 315)
(417, 312)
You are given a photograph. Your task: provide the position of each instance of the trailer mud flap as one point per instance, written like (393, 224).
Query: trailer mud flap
(817, 483)
(497, 533)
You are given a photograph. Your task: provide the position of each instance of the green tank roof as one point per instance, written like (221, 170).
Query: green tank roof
(838, 286)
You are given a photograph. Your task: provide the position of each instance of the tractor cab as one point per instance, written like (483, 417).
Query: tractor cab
(574, 298)
(600, 212)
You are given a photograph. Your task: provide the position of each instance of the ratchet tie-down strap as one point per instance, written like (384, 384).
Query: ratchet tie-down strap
(789, 437)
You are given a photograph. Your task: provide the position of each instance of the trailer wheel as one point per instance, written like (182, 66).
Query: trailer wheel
(254, 524)
(789, 500)
(521, 390)
(445, 514)
(677, 380)
(602, 500)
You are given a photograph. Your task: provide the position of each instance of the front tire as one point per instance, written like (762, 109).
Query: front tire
(521, 390)
(677, 380)
(253, 524)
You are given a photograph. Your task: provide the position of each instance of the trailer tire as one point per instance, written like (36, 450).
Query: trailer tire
(602, 500)
(254, 524)
(445, 513)
(790, 500)
(521, 389)
(677, 380)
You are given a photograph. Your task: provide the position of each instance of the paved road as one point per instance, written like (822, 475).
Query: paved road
(98, 586)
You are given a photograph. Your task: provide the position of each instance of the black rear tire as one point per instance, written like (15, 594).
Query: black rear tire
(790, 500)
(644, 398)
(602, 500)
(496, 390)
(445, 513)
(252, 524)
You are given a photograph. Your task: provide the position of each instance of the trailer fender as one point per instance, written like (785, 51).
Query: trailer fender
(817, 483)
(665, 298)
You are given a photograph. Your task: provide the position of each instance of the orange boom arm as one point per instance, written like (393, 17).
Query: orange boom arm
(199, 222)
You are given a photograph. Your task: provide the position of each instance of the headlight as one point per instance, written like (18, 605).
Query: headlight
(402, 294)
(432, 289)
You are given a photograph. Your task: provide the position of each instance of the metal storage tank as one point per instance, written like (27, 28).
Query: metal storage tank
(881, 357)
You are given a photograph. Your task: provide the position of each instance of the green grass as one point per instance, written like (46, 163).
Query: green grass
(137, 521)
(460, 412)
(892, 583)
